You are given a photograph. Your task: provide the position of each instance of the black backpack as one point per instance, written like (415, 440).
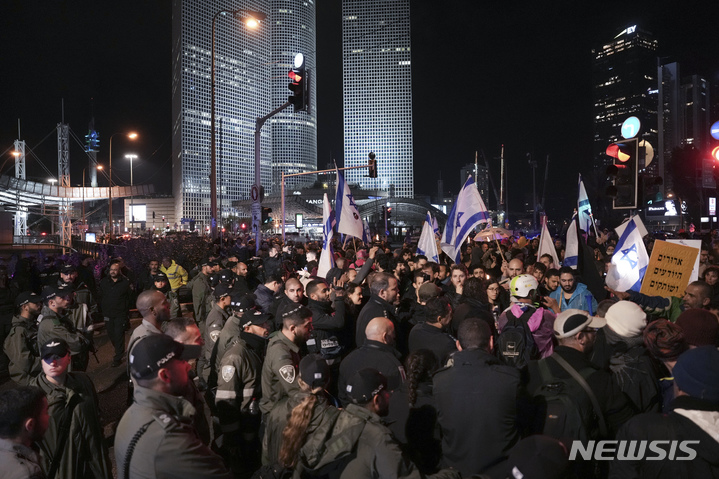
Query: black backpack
(567, 408)
(515, 345)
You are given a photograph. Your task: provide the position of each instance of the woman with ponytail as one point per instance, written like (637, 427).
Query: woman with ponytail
(412, 414)
(308, 412)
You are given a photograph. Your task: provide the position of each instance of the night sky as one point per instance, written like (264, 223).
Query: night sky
(485, 73)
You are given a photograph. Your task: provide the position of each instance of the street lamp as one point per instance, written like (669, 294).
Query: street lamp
(132, 196)
(84, 220)
(253, 20)
(52, 224)
(131, 136)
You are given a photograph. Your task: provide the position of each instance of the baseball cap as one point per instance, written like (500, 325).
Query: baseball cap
(152, 352)
(55, 347)
(571, 321)
(314, 371)
(255, 317)
(226, 275)
(50, 292)
(27, 297)
(160, 276)
(67, 269)
(221, 290)
(428, 291)
(364, 385)
(242, 302)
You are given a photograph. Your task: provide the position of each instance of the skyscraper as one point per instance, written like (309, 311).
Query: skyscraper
(242, 93)
(378, 93)
(625, 85)
(294, 135)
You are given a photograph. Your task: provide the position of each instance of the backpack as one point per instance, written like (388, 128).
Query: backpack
(515, 345)
(568, 409)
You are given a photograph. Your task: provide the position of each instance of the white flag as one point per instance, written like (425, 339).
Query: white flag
(427, 245)
(327, 258)
(468, 211)
(366, 235)
(348, 218)
(584, 209)
(630, 260)
(571, 251)
(546, 245)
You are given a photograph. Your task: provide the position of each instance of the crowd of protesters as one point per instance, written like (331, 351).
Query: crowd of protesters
(503, 365)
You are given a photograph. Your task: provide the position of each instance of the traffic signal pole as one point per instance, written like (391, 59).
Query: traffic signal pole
(282, 187)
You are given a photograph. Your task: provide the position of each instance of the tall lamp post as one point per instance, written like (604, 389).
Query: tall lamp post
(253, 20)
(52, 223)
(132, 196)
(131, 136)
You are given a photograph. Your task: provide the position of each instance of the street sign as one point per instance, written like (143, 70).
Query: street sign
(715, 130)
(255, 193)
(630, 127)
(256, 216)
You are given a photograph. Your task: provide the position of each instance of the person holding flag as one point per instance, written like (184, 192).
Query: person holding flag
(349, 221)
(327, 258)
(427, 245)
(584, 210)
(468, 212)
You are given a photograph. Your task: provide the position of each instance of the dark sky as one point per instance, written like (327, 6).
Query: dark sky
(485, 73)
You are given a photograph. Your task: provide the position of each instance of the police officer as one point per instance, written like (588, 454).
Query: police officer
(84, 304)
(21, 343)
(279, 371)
(156, 435)
(239, 391)
(54, 323)
(161, 283)
(215, 322)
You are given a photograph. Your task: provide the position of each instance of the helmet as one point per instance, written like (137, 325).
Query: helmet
(522, 285)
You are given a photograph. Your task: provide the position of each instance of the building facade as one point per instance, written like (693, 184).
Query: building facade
(378, 93)
(242, 93)
(294, 135)
(625, 85)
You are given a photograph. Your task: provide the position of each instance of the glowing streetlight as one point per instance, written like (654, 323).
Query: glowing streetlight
(131, 136)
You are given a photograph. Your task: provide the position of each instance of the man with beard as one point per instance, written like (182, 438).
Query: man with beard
(83, 310)
(239, 270)
(115, 295)
(573, 294)
(382, 303)
(155, 310)
(23, 423)
(156, 432)
(54, 323)
(328, 320)
(294, 296)
(147, 277)
(279, 371)
(21, 343)
(432, 334)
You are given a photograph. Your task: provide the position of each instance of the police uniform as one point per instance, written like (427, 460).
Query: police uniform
(169, 446)
(279, 371)
(215, 322)
(22, 350)
(238, 383)
(54, 326)
(376, 307)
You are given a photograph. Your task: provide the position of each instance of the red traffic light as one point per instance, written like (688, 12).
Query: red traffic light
(620, 151)
(294, 76)
(243, 226)
(715, 153)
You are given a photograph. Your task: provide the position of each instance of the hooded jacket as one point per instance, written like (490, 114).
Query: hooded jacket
(581, 298)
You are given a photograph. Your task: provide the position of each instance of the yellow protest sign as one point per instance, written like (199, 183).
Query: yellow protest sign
(669, 269)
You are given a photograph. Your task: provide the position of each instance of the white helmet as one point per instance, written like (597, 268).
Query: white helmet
(523, 285)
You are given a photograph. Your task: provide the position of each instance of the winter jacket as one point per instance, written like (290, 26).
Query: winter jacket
(22, 350)
(176, 274)
(581, 299)
(85, 454)
(658, 306)
(373, 354)
(428, 336)
(376, 307)
(691, 419)
(264, 297)
(19, 461)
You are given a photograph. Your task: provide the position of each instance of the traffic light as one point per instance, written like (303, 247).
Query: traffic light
(715, 153)
(625, 173)
(389, 213)
(298, 87)
(372, 166)
(266, 215)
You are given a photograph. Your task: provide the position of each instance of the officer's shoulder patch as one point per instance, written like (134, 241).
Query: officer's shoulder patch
(165, 420)
(228, 372)
(288, 373)
(214, 334)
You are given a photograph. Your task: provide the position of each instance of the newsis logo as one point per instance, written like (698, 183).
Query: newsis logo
(633, 450)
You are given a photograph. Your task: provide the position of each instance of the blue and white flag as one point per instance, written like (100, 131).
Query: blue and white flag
(366, 235)
(571, 252)
(546, 245)
(584, 209)
(427, 244)
(348, 219)
(468, 211)
(327, 258)
(435, 225)
(630, 260)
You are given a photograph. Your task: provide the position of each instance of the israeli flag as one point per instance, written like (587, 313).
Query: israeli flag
(571, 251)
(348, 219)
(468, 211)
(427, 245)
(327, 258)
(435, 225)
(630, 260)
(366, 235)
(584, 209)
(546, 246)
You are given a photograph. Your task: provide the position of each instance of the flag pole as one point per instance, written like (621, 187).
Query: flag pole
(594, 224)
